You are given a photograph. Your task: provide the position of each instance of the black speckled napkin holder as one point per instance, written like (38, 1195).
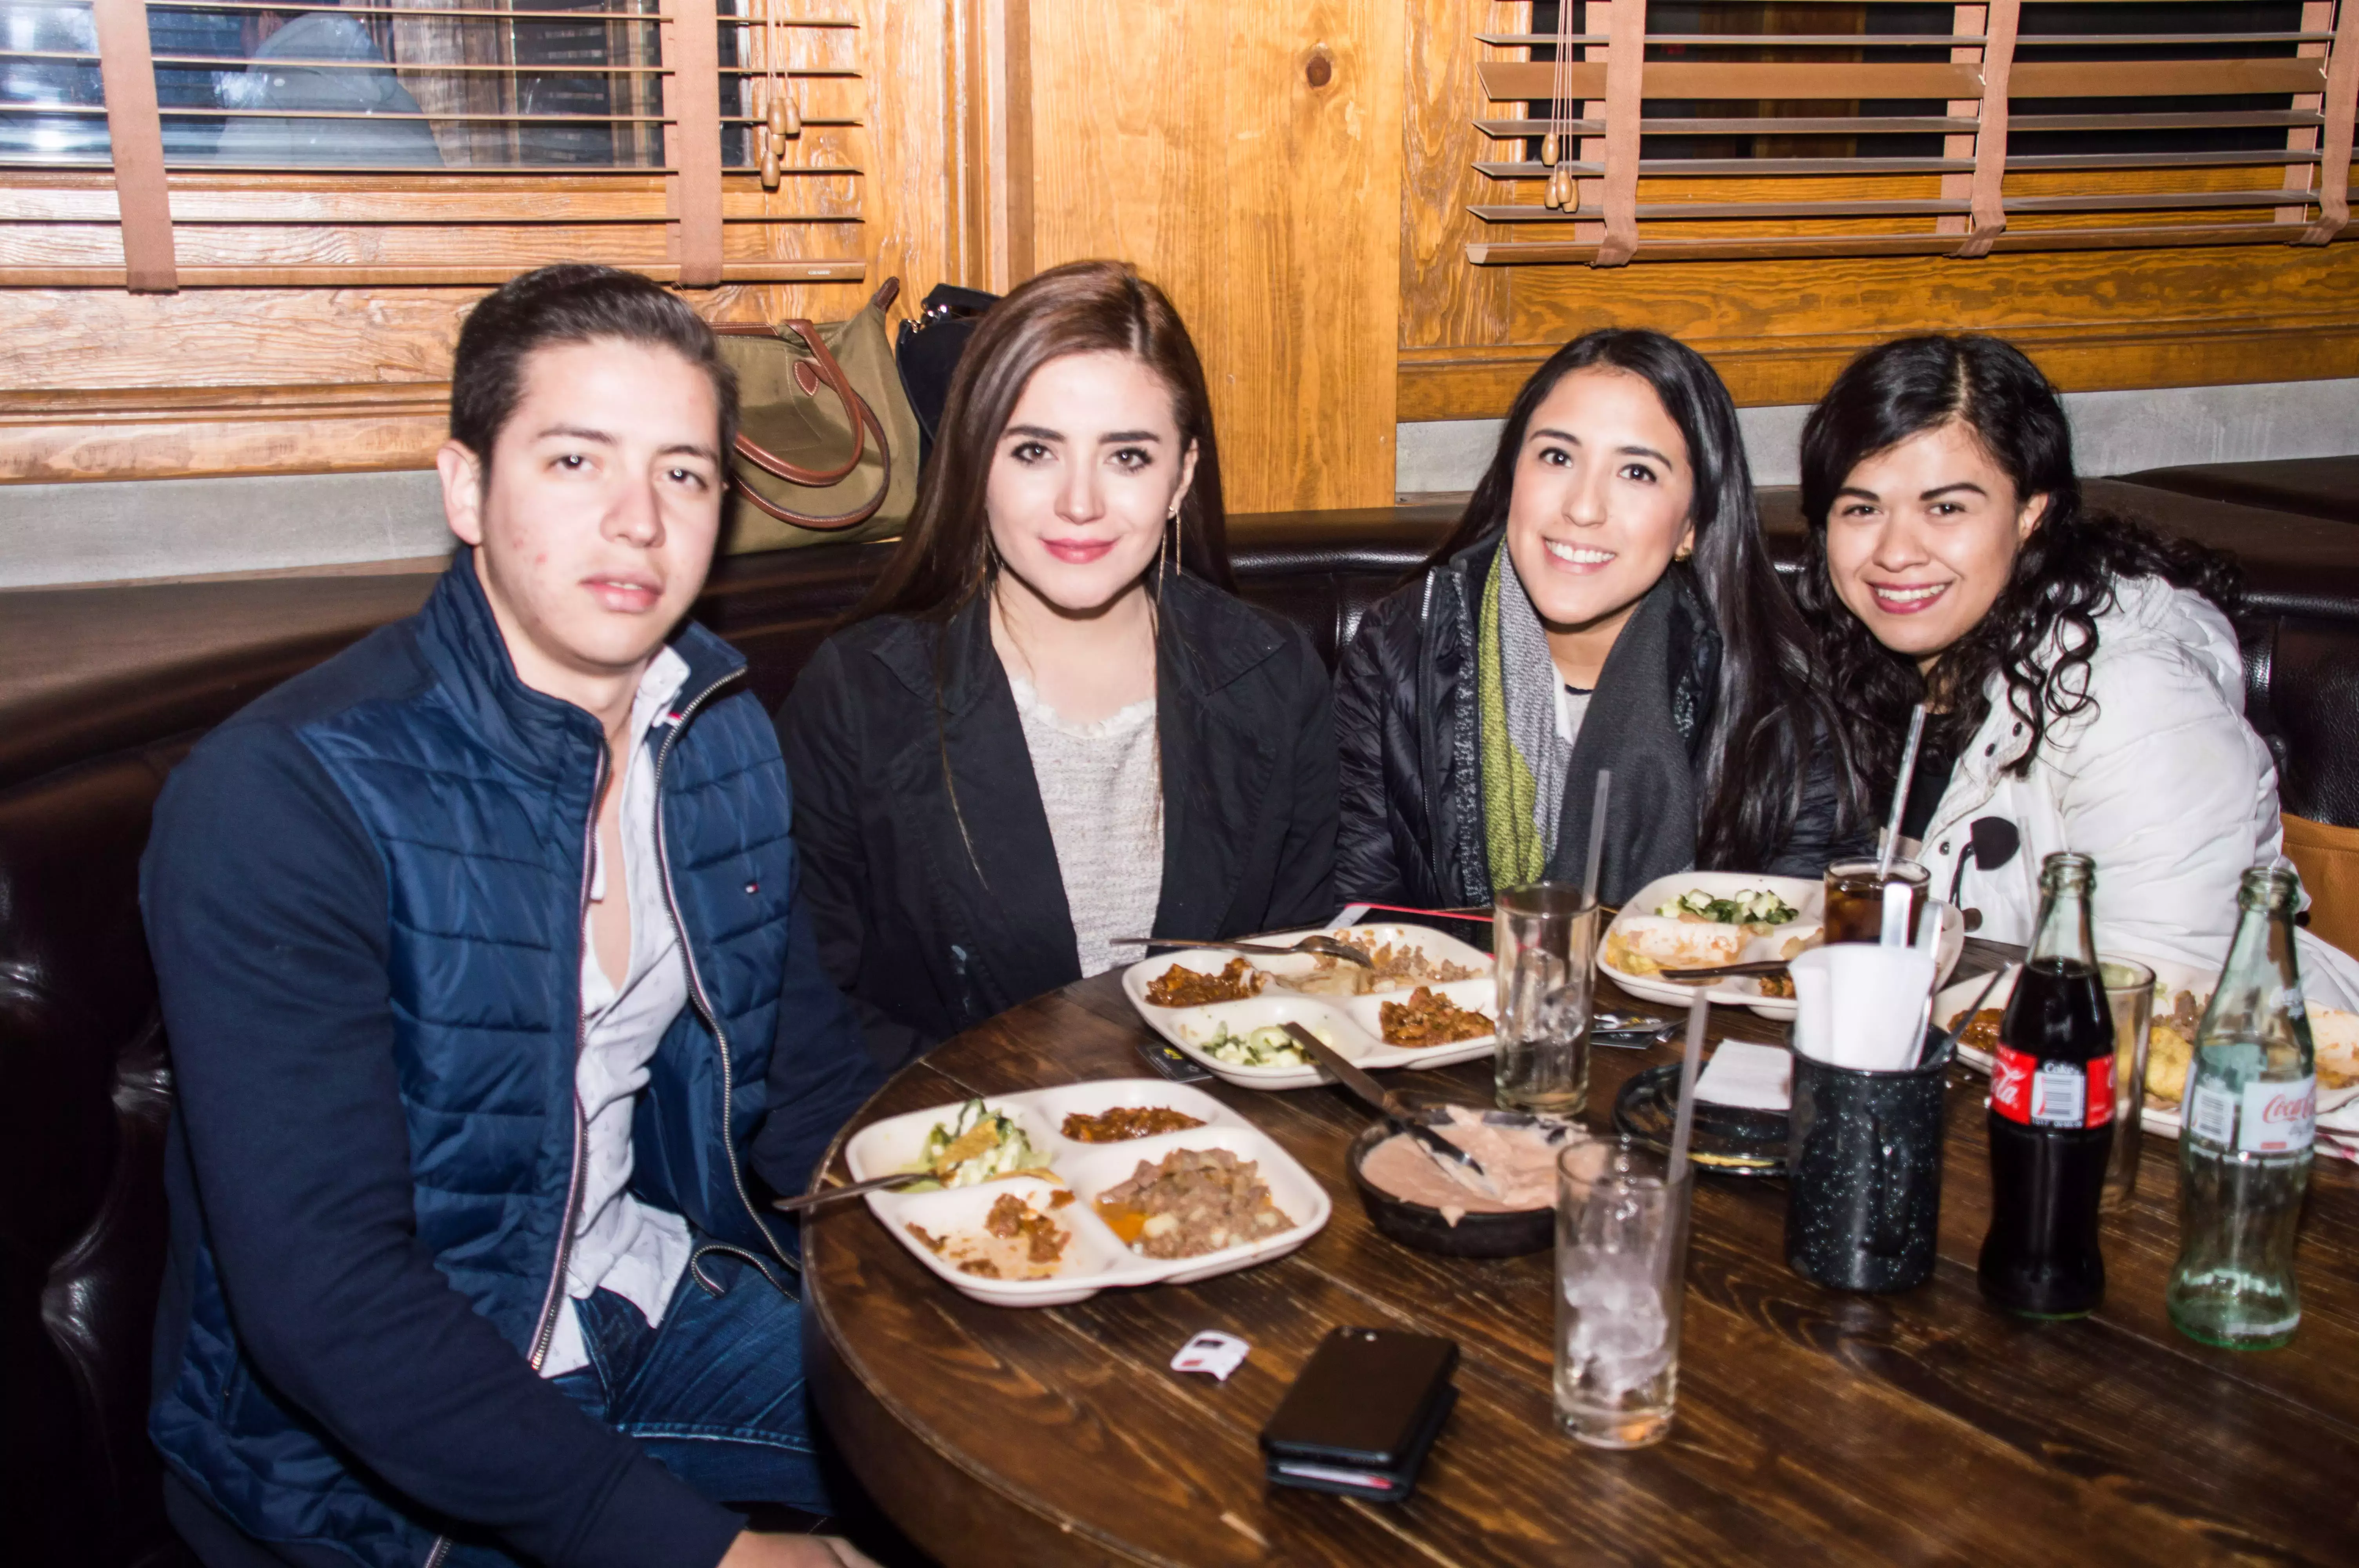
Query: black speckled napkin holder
(1864, 1165)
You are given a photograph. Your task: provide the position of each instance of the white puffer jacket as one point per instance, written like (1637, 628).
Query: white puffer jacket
(2161, 782)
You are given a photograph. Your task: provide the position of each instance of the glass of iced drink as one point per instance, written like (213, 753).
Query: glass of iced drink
(1621, 1271)
(2129, 997)
(1544, 942)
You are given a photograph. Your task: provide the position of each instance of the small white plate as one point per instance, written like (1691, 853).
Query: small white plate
(1349, 1023)
(1808, 898)
(1094, 1258)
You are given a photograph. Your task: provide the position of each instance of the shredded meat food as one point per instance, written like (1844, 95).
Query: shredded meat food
(1126, 1122)
(1182, 987)
(1428, 1018)
(1195, 1201)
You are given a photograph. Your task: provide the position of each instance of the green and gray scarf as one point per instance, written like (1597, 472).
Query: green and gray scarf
(1535, 826)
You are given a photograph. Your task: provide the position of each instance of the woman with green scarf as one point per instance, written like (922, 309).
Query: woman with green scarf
(1606, 603)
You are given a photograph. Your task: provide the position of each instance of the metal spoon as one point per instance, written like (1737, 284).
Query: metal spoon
(852, 1189)
(1327, 945)
(1460, 1165)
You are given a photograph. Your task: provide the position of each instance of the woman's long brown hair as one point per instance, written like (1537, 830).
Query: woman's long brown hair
(944, 558)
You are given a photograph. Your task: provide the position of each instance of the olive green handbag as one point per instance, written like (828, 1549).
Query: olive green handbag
(827, 443)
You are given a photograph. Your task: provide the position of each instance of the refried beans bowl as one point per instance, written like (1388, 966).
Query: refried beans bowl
(1476, 1235)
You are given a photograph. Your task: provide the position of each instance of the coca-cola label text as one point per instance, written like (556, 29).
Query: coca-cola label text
(2265, 1118)
(2034, 1093)
(2279, 1118)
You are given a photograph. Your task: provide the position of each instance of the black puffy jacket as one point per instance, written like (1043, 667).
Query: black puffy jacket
(1408, 722)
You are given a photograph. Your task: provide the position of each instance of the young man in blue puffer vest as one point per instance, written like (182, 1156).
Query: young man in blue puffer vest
(485, 977)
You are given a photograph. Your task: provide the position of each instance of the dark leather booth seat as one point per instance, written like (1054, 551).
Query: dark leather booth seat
(2314, 487)
(103, 690)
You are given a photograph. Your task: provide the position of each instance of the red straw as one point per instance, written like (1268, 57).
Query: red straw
(1438, 914)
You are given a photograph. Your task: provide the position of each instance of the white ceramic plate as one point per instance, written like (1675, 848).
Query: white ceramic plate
(1094, 1258)
(2156, 1116)
(1349, 1023)
(1809, 897)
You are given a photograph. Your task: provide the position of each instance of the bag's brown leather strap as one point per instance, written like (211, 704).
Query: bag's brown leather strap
(863, 416)
(832, 376)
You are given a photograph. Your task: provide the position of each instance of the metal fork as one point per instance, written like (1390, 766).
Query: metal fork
(1327, 945)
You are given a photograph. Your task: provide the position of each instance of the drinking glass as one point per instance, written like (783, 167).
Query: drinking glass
(1543, 939)
(1855, 898)
(2129, 992)
(1621, 1271)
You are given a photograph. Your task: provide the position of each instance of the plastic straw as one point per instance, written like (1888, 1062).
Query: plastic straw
(1684, 1123)
(1596, 836)
(1900, 791)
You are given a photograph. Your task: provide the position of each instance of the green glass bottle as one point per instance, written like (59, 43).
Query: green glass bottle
(2251, 1110)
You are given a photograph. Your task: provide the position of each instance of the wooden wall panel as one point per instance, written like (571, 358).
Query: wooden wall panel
(1255, 175)
(98, 383)
(1780, 330)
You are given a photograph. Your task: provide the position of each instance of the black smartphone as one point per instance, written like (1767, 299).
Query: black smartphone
(1361, 1414)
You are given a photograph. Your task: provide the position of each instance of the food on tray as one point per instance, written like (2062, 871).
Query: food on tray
(979, 1144)
(1428, 1018)
(1519, 1160)
(1391, 966)
(2334, 1034)
(1193, 1202)
(2169, 1055)
(1126, 1122)
(1756, 907)
(2170, 1043)
(1649, 944)
(1180, 986)
(1268, 1046)
(1982, 1033)
(1016, 1242)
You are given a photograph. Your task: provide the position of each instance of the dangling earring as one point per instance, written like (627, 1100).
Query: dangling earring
(1163, 550)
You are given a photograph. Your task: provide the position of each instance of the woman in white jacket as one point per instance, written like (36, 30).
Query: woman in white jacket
(2086, 687)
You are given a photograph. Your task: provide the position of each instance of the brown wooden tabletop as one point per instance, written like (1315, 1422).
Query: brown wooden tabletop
(1811, 1424)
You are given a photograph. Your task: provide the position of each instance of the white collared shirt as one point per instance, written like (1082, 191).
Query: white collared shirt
(620, 1244)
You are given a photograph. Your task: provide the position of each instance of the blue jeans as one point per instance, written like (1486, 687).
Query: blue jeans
(715, 1393)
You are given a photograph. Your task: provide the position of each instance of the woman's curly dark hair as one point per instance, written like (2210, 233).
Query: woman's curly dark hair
(2063, 576)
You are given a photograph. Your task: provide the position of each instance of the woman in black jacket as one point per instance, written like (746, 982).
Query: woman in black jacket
(1631, 621)
(1052, 725)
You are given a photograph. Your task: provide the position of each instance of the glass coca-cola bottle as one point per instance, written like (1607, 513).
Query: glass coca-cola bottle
(2243, 1157)
(2051, 1112)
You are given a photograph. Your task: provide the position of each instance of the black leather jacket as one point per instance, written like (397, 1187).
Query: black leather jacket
(936, 909)
(1408, 722)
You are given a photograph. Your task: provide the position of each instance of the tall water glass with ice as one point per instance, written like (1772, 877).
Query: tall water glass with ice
(1544, 938)
(1621, 1271)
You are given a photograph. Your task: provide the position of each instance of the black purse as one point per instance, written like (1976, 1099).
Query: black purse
(927, 352)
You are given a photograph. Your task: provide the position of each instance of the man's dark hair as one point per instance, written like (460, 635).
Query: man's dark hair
(571, 303)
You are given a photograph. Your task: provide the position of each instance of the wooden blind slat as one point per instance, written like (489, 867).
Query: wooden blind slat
(135, 132)
(2341, 90)
(1508, 81)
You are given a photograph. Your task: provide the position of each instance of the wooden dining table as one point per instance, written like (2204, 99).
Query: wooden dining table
(1813, 1425)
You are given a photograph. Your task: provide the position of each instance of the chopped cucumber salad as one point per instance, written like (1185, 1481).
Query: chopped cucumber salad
(1268, 1046)
(979, 1144)
(1754, 907)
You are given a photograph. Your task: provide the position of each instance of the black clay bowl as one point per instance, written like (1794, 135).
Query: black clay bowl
(1425, 1228)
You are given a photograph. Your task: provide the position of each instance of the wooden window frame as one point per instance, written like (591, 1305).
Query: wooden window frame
(710, 218)
(1970, 212)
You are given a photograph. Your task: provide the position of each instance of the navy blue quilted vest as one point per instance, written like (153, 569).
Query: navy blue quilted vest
(478, 792)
